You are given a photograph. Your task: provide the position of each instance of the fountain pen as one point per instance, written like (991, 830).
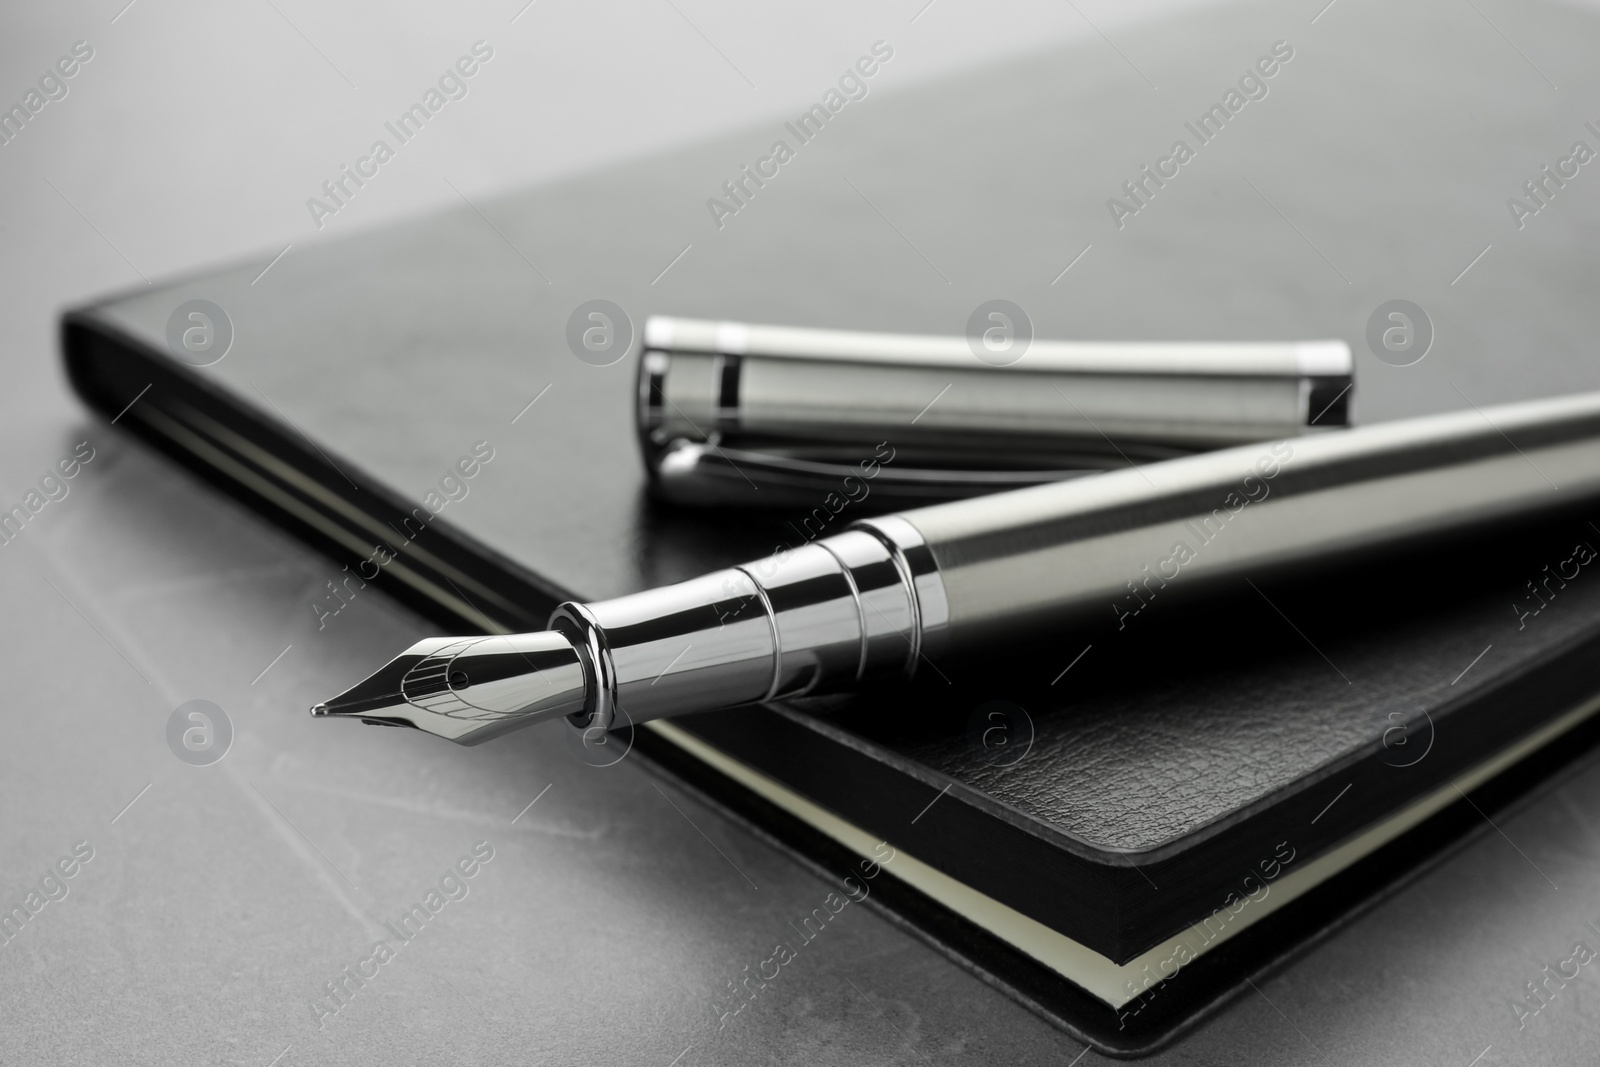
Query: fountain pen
(892, 594)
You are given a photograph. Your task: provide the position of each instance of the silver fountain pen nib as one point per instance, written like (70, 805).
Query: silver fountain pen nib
(469, 689)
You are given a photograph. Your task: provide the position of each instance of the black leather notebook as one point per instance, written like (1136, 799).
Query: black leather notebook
(1118, 826)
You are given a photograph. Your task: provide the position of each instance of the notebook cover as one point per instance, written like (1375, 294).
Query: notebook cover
(1172, 760)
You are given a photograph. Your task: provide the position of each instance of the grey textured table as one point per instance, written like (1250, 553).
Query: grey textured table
(221, 900)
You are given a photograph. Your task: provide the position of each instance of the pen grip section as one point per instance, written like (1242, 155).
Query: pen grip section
(813, 619)
(841, 611)
(701, 644)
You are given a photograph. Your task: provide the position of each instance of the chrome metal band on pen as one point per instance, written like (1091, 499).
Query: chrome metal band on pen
(893, 592)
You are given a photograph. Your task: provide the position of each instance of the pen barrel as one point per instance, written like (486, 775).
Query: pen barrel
(1105, 547)
(900, 591)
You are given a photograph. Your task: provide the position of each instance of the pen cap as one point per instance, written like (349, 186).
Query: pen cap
(799, 405)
